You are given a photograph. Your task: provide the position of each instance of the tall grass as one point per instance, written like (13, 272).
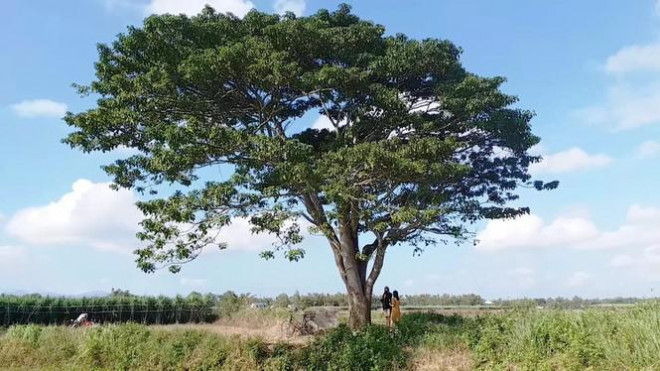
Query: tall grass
(524, 338)
(528, 338)
(112, 309)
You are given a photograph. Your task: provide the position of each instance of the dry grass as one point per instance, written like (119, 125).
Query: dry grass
(271, 334)
(255, 318)
(426, 359)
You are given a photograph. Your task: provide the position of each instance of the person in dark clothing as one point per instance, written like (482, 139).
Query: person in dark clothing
(386, 300)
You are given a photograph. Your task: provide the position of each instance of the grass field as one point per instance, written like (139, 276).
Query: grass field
(517, 339)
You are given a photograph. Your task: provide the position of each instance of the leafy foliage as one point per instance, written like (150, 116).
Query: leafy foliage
(419, 145)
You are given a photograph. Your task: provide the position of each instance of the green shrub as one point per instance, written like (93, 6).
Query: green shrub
(25, 333)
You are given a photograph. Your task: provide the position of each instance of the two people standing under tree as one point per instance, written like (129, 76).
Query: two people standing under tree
(391, 306)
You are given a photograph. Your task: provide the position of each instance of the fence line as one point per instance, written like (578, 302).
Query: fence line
(14, 310)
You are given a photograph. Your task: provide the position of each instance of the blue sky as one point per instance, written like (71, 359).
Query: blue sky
(589, 69)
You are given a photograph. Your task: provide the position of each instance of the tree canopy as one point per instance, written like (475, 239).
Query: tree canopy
(418, 146)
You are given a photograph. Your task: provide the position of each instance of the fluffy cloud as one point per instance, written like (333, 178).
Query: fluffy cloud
(635, 58)
(94, 215)
(633, 98)
(628, 106)
(39, 108)
(648, 149)
(530, 231)
(323, 122)
(297, 7)
(91, 214)
(646, 262)
(238, 236)
(192, 7)
(525, 278)
(578, 279)
(574, 159)
(622, 261)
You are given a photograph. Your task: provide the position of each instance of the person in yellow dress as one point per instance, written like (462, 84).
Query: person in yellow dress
(396, 307)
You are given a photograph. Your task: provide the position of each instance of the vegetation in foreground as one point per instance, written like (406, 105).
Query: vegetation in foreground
(527, 338)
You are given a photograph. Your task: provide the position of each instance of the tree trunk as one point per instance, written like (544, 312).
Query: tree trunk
(359, 310)
(352, 269)
(359, 286)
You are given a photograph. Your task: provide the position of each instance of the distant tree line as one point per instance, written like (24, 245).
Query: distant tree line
(575, 302)
(429, 300)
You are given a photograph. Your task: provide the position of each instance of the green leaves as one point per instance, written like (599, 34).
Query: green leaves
(419, 147)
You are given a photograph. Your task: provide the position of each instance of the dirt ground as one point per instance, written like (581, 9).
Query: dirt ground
(272, 329)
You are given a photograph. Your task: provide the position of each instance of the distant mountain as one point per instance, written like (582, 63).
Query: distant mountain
(91, 294)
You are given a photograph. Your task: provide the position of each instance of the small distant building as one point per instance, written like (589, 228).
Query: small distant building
(488, 302)
(259, 305)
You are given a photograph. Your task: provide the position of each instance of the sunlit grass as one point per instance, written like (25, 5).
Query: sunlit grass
(520, 338)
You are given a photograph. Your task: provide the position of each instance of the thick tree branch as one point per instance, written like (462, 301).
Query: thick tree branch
(377, 266)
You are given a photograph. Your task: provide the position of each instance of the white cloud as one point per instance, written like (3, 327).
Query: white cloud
(578, 279)
(12, 257)
(641, 214)
(646, 262)
(238, 236)
(648, 149)
(123, 150)
(633, 98)
(94, 215)
(521, 271)
(193, 282)
(39, 108)
(537, 150)
(323, 122)
(635, 58)
(639, 231)
(627, 106)
(574, 159)
(192, 7)
(297, 7)
(91, 214)
(525, 278)
(623, 261)
(530, 231)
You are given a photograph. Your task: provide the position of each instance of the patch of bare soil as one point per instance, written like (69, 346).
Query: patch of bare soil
(270, 329)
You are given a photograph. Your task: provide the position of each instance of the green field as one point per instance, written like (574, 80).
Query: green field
(521, 338)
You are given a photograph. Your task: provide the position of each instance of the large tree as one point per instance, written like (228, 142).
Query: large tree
(418, 148)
